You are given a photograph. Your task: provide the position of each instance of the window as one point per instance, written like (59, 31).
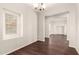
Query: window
(12, 24)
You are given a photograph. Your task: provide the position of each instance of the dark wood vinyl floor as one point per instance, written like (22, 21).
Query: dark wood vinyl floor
(41, 48)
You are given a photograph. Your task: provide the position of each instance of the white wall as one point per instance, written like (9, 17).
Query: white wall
(57, 28)
(77, 26)
(41, 26)
(52, 23)
(71, 20)
(29, 28)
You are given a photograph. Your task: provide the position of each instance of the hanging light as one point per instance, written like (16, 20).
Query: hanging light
(39, 6)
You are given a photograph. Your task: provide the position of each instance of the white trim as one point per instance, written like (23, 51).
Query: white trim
(18, 48)
(19, 29)
(77, 48)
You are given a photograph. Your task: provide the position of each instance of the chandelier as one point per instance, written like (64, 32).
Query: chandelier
(39, 6)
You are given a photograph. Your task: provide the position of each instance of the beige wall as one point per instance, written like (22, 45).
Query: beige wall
(29, 28)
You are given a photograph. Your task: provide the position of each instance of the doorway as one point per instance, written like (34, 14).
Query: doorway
(56, 30)
(56, 25)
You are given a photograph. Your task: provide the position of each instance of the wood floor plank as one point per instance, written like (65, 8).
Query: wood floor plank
(41, 48)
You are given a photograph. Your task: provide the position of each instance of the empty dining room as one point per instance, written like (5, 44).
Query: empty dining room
(39, 28)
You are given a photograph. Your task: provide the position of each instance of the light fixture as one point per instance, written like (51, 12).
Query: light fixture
(39, 6)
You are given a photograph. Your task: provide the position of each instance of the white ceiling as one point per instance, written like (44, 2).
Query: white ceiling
(46, 4)
(49, 4)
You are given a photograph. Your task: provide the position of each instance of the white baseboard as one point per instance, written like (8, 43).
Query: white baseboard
(77, 48)
(17, 48)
